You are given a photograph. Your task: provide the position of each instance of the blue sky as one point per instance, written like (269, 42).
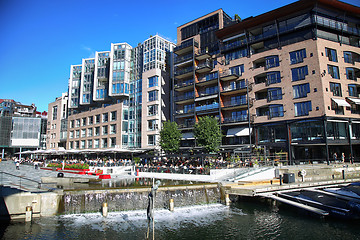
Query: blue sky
(40, 39)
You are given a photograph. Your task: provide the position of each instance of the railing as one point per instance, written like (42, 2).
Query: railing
(184, 83)
(187, 125)
(186, 44)
(206, 93)
(185, 111)
(180, 59)
(178, 170)
(183, 71)
(227, 73)
(242, 85)
(206, 64)
(207, 107)
(243, 118)
(204, 79)
(21, 181)
(184, 97)
(235, 103)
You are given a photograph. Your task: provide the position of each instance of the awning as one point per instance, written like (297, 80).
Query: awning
(187, 136)
(354, 100)
(238, 132)
(341, 102)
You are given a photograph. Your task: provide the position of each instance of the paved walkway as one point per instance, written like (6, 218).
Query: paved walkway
(30, 177)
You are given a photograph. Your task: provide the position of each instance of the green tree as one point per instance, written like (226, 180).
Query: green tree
(207, 133)
(170, 137)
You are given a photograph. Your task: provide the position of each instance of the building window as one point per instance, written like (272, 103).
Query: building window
(153, 81)
(301, 90)
(90, 120)
(238, 70)
(77, 123)
(71, 135)
(271, 62)
(89, 144)
(71, 145)
(113, 116)
(113, 142)
(348, 57)
(152, 125)
(113, 129)
(54, 112)
(104, 143)
(331, 54)
(299, 73)
(97, 119)
(77, 144)
(151, 140)
(125, 140)
(274, 94)
(77, 133)
(82, 146)
(83, 133)
(335, 88)
(297, 56)
(276, 111)
(105, 117)
(350, 74)
(152, 110)
(97, 131)
(353, 90)
(273, 77)
(96, 143)
(72, 124)
(104, 130)
(333, 71)
(89, 132)
(302, 108)
(235, 55)
(153, 95)
(83, 122)
(126, 114)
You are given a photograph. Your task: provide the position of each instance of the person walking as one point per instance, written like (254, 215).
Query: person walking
(335, 157)
(343, 157)
(17, 164)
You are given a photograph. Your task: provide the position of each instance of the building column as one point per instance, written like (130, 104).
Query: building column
(289, 143)
(326, 142)
(350, 140)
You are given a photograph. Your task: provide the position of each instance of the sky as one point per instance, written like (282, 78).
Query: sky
(41, 39)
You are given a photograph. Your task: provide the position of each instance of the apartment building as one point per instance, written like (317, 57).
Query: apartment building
(119, 98)
(286, 80)
(57, 123)
(21, 127)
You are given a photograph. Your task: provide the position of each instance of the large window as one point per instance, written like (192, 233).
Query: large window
(271, 61)
(152, 110)
(151, 140)
(335, 88)
(301, 90)
(104, 130)
(302, 108)
(299, 73)
(273, 77)
(333, 71)
(235, 55)
(274, 94)
(97, 119)
(331, 54)
(113, 128)
(353, 90)
(153, 81)
(350, 74)
(297, 56)
(153, 95)
(152, 125)
(238, 70)
(113, 116)
(54, 112)
(276, 111)
(336, 130)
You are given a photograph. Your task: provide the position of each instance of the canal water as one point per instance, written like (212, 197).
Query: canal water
(242, 220)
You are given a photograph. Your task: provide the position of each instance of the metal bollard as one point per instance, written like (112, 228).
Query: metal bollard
(28, 214)
(280, 179)
(227, 200)
(171, 205)
(105, 209)
(343, 174)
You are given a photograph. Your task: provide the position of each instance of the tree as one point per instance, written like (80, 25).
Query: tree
(170, 137)
(207, 133)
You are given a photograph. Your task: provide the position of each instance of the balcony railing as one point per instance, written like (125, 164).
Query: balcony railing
(180, 59)
(242, 118)
(235, 103)
(182, 111)
(183, 97)
(209, 92)
(240, 86)
(207, 107)
(203, 67)
(187, 125)
(184, 83)
(185, 44)
(183, 71)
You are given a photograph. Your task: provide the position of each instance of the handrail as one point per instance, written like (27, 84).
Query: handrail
(20, 177)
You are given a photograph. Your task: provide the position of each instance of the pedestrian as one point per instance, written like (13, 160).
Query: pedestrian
(17, 164)
(335, 156)
(343, 157)
(63, 164)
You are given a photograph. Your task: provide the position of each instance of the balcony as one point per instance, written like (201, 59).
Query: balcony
(184, 85)
(208, 80)
(228, 75)
(225, 47)
(235, 89)
(186, 46)
(204, 67)
(243, 118)
(188, 124)
(184, 99)
(183, 60)
(184, 111)
(241, 103)
(202, 55)
(214, 106)
(184, 72)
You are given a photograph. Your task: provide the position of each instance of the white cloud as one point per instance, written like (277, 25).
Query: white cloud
(89, 50)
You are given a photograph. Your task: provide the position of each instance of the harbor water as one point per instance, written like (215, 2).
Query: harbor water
(241, 220)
